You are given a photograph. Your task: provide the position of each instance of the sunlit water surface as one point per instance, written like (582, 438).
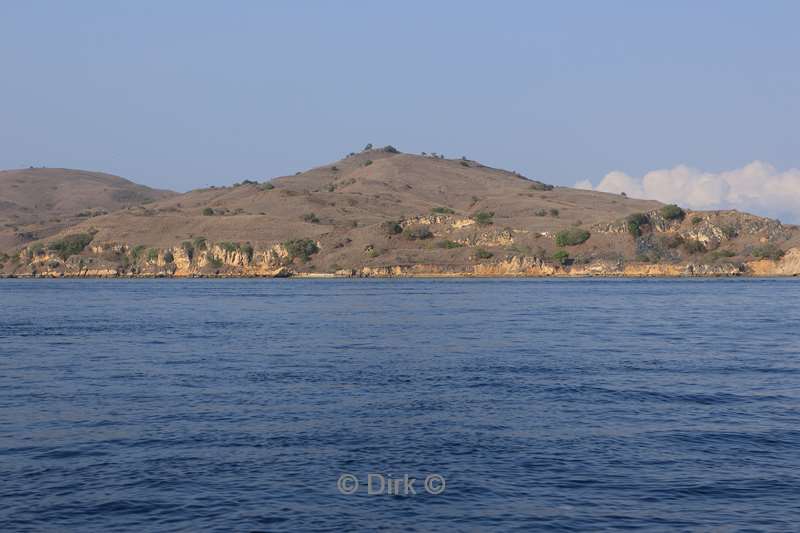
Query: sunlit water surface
(235, 405)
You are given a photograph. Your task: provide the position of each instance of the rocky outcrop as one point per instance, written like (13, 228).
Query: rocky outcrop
(788, 265)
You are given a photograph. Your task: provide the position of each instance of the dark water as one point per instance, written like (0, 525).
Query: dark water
(545, 404)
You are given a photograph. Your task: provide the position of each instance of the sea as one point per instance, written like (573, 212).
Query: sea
(399, 405)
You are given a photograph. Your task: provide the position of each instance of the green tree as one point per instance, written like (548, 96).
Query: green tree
(561, 256)
(572, 237)
(672, 212)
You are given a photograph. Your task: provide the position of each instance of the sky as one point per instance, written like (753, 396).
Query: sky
(684, 101)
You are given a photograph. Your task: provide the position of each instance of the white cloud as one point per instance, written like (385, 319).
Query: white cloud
(757, 187)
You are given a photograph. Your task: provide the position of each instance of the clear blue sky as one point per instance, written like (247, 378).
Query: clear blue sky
(183, 94)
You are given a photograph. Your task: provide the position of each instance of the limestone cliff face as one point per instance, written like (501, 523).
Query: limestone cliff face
(711, 228)
(517, 266)
(99, 259)
(788, 265)
(489, 238)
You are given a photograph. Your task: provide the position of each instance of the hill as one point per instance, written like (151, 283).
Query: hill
(382, 212)
(38, 202)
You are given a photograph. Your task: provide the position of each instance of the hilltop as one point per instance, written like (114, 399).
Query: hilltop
(381, 212)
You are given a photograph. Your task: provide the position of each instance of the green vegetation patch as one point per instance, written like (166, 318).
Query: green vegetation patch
(561, 256)
(208, 212)
(483, 218)
(301, 249)
(311, 218)
(572, 237)
(672, 212)
(391, 227)
(248, 251)
(480, 253)
(137, 252)
(716, 255)
(448, 244)
(188, 247)
(692, 246)
(70, 245)
(539, 186)
(635, 222)
(417, 233)
(442, 211)
(767, 251)
(229, 247)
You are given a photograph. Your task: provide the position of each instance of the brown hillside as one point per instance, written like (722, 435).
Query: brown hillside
(385, 212)
(38, 202)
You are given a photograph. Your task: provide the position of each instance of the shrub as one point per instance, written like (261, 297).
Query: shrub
(572, 237)
(248, 251)
(188, 247)
(694, 247)
(391, 227)
(483, 218)
(311, 217)
(70, 245)
(334, 168)
(214, 261)
(417, 233)
(480, 253)
(208, 212)
(301, 248)
(554, 212)
(447, 244)
(729, 230)
(539, 186)
(228, 246)
(719, 254)
(672, 212)
(152, 254)
(540, 212)
(137, 252)
(767, 251)
(464, 163)
(368, 162)
(35, 249)
(442, 211)
(199, 243)
(391, 149)
(368, 147)
(169, 257)
(561, 256)
(266, 186)
(635, 223)
(696, 220)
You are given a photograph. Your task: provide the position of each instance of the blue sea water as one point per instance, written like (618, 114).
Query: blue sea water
(236, 405)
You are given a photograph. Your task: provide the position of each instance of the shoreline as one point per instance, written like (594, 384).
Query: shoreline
(327, 276)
